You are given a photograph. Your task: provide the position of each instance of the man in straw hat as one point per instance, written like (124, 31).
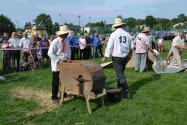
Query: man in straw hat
(142, 46)
(59, 52)
(119, 46)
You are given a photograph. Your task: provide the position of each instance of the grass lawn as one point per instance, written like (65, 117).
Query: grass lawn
(157, 100)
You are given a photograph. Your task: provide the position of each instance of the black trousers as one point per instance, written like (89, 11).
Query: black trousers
(88, 52)
(17, 58)
(77, 53)
(100, 50)
(55, 85)
(119, 65)
(26, 55)
(83, 53)
(72, 53)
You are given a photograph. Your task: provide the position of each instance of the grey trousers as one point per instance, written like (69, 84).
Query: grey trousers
(140, 61)
(119, 65)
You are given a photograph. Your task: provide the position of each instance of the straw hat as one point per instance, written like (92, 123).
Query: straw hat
(118, 22)
(146, 29)
(63, 30)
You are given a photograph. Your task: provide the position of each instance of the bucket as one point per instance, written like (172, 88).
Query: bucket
(114, 95)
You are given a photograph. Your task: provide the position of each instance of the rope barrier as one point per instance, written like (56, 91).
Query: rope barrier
(24, 48)
(34, 48)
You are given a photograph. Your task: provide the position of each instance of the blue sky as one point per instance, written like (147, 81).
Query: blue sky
(27, 10)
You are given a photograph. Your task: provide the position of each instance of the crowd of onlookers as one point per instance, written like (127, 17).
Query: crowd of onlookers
(33, 50)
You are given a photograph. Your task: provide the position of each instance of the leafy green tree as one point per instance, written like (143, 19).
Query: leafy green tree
(139, 22)
(150, 21)
(157, 27)
(131, 22)
(174, 20)
(44, 20)
(134, 30)
(55, 27)
(182, 18)
(6, 25)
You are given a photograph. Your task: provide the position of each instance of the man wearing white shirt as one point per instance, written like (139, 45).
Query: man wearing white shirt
(119, 45)
(177, 49)
(59, 52)
(24, 44)
(15, 42)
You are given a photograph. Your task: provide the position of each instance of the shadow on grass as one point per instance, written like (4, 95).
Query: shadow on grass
(109, 83)
(97, 103)
(136, 85)
(12, 79)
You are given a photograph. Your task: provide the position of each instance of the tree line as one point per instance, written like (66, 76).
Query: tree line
(154, 23)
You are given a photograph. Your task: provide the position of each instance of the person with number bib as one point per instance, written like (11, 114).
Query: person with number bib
(142, 45)
(119, 46)
(59, 52)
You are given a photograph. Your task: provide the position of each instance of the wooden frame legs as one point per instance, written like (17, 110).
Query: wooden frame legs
(62, 94)
(88, 105)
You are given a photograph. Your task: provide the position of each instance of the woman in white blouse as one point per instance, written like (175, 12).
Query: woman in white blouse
(82, 44)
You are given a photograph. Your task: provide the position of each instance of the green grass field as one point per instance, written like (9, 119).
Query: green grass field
(157, 100)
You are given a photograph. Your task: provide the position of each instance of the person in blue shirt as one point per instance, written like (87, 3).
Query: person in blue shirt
(95, 40)
(45, 43)
(74, 46)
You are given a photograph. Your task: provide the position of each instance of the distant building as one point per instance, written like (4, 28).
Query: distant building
(178, 24)
(28, 28)
(89, 29)
(141, 26)
(106, 29)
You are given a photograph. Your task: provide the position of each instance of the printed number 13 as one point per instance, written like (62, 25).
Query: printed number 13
(123, 39)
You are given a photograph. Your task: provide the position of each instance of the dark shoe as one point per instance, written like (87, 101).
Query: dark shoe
(55, 101)
(127, 95)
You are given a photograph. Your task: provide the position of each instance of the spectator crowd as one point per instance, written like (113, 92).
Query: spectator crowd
(30, 52)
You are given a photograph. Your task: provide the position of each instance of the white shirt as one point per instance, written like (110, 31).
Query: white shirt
(24, 43)
(119, 45)
(15, 42)
(56, 53)
(160, 41)
(101, 41)
(83, 41)
(177, 41)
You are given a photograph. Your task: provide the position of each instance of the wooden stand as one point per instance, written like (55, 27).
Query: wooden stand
(82, 78)
(88, 96)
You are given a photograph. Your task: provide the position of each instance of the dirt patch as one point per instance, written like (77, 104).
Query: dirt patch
(43, 98)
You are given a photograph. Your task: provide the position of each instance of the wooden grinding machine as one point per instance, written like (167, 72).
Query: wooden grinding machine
(82, 78)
